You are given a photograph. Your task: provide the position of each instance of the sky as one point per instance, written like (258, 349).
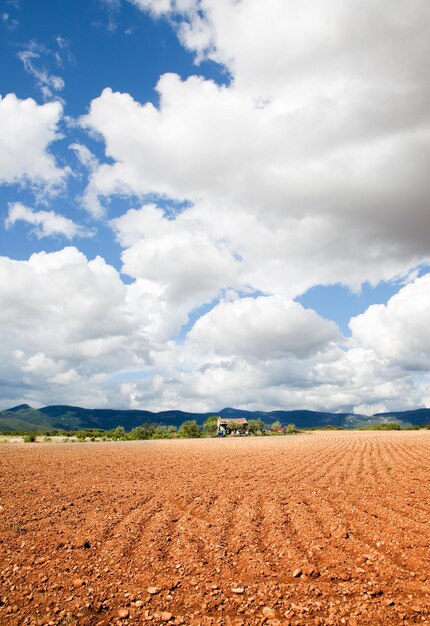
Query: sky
(211, 203)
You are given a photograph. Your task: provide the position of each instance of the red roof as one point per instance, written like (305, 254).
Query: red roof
(236, 420)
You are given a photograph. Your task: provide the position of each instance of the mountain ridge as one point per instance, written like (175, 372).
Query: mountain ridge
(66, 417)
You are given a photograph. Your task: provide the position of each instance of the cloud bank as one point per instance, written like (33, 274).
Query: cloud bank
(308, 167)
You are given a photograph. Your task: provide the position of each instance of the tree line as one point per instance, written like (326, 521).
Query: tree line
(189, 429)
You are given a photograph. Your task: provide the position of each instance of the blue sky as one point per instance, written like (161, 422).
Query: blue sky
(215, 203)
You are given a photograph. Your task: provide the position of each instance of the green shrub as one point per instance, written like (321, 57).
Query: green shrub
(189, 430)
(255, 426)
(210, 426)
(118, 434)
(30, 438)
(276, 427)
(388, 426)
(144, 431)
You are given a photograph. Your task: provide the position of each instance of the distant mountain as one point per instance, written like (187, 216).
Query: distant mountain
(20, 407)
(416, 417)
(64, 417)
(23, 418)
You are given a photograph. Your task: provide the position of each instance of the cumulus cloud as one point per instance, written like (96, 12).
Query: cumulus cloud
(66, 320)
(72, 331)
(263, 328)
(309, 167)
(397, 331)
(318, 148)
(28, 129)
(46, 223)
(268, 351)
(185, 266)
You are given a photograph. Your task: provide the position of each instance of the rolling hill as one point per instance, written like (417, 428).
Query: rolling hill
(63, 417)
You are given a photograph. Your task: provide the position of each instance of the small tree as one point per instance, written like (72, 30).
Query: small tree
(163, 432)
(235, 427)
(189, 430)
(291, 429)
(144, 431)
(276, 426)
(255, 426)
(210, 426)
(118, 433)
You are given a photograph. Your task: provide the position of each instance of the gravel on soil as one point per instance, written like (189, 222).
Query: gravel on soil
(325, 528)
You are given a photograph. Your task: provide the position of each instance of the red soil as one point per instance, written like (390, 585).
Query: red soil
(324, 528)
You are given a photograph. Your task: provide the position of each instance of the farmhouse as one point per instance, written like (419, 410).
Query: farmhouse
(229, 425)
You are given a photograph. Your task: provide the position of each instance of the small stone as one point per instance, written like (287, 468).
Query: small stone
(166, 616)
(297, 573)
(78, 582)
(389, 602)
(238, 590)
(312, 571)
(138, 603)
(123, 613)
(153, 590)
(268, 612)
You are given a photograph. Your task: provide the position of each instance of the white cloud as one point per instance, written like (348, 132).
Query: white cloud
(46, 223)
(156, 7)
(184, 266)
(66, 325)
(267, 352)
(8, 21)
(397, 331)
(72, 331)
(90, 198)
(312, 163)
(28, 129)
(310, 167)
(263, 328)
(36, 58)
(85, 156)
(112, 8)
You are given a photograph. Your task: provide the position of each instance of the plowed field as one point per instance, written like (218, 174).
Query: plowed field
(320, 528)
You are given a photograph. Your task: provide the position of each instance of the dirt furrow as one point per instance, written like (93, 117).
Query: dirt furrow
(325, 528)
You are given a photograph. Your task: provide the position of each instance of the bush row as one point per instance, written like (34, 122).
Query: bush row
(187, 430)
